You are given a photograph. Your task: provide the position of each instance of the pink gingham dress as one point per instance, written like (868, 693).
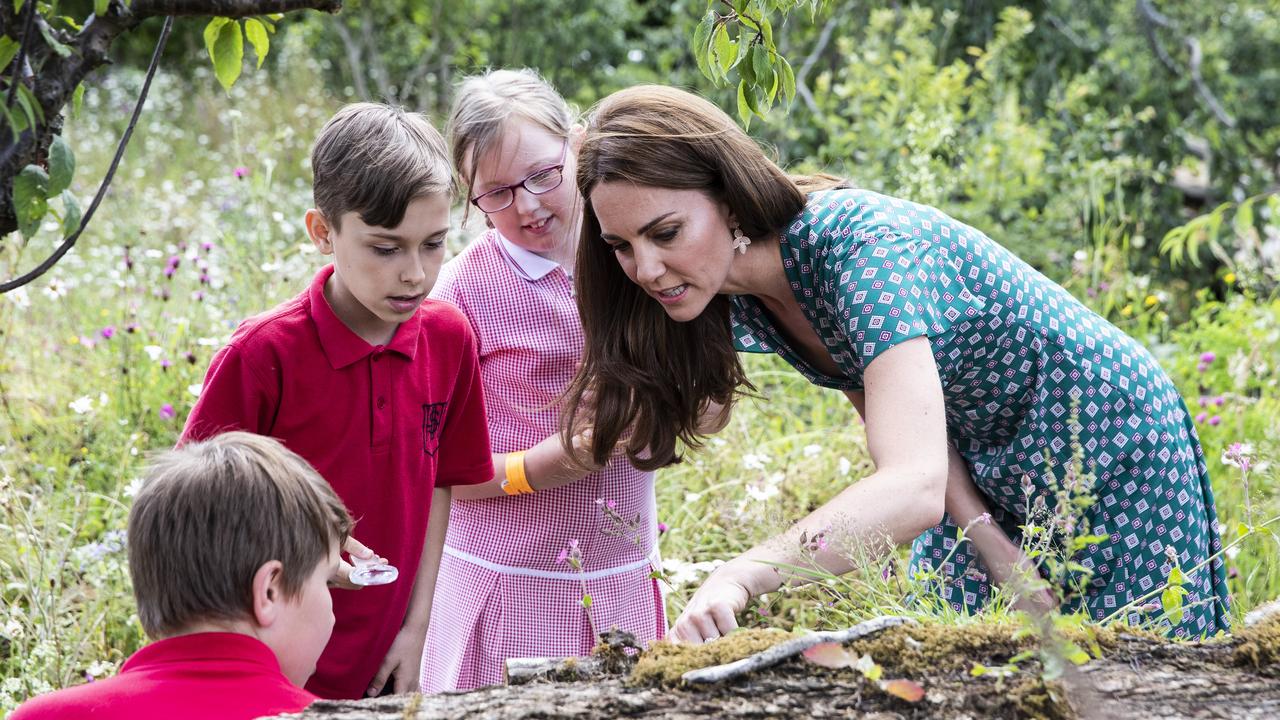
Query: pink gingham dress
(501, 591)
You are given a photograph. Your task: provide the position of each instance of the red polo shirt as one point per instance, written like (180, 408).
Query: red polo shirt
(205, 676)
(384, 425)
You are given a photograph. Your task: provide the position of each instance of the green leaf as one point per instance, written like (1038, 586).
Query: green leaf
(1076, 654)
(760, 63)
(788, 77)
(30, 199)
(586, 602)
(70, 213)
(1171, 599)
(1243, 529)
(258, 38)
(766, 29)
(77, 100)
(225, 43)
(59, 48)
(100, 7)
(31, 109)
(726, 51)
(744, 108)
(701, 45)
(62, 165)
(17, 6)
(15, 123)
(8, 50)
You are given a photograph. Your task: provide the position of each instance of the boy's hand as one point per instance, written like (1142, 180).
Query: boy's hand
(403, 660)
(342, 577)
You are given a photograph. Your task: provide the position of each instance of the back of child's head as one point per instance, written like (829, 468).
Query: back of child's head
(211, 513)
(485, 103)
(374, 159)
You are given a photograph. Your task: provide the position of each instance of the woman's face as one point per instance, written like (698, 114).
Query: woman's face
(675, 244)
(542, 224)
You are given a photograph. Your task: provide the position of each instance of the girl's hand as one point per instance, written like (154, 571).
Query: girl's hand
(711, 612)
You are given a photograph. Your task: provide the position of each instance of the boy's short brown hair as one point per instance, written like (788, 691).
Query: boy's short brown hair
(375, 159)
(211, 513)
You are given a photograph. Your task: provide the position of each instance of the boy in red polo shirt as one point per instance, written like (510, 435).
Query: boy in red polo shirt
(375, 386)
(231, 543)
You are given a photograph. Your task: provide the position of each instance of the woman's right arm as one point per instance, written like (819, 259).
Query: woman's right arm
(907, 440)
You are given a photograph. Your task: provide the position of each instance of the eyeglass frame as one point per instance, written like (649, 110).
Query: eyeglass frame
(558, 167)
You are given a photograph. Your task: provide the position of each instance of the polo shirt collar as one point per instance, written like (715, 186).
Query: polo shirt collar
(341, 345)
(530, 266)
(216, 647)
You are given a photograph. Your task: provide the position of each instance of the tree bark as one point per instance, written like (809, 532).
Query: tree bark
(1138, 678)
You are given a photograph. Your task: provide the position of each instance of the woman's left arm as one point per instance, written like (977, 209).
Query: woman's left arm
(907, 441)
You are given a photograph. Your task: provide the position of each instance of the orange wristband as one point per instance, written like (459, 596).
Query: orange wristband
(515, 482)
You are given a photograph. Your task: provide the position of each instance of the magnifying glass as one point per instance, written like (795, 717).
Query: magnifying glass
(372, 571)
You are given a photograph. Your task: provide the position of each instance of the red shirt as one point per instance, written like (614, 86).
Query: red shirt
(384, 425)
(205, 676)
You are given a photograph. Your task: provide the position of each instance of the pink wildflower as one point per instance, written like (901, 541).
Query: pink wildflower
(1215, 420)
(167, 412)
(240, 172)
(1208, 357)
(107, 332)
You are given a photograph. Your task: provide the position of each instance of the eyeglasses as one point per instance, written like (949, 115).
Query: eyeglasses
(537, 182)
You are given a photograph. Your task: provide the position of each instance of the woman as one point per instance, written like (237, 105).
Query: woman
(965, 363)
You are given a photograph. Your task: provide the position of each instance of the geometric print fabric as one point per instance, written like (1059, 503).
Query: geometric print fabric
(1015, 353)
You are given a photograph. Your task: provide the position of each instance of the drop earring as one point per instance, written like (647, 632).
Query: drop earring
(740, 240)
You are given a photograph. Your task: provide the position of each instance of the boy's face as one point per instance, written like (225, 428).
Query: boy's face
(381, 275)
(307, 623)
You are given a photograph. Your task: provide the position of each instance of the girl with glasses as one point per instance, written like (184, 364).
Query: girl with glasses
(965, 362)
(524, 550)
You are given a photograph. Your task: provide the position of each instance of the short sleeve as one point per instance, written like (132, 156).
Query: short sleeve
(233, 397)
(466, 434)
(890, 289)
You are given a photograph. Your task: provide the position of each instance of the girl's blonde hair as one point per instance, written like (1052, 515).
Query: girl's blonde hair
(485, 103)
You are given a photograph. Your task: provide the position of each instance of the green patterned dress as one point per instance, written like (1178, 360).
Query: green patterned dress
(1015, 354)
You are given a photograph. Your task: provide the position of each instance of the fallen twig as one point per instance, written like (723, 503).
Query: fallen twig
(790, 648)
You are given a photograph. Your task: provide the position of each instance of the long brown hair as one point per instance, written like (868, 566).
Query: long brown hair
(645, 379)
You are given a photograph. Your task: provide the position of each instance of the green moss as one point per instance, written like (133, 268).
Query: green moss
(1035, 698)
(1259, 645)
(664, 662)
(917, 650)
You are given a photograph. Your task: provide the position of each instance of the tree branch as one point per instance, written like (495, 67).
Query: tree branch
(227, 8)
(71, 239)
(57, 77)
(1150, 19)
(802, 86)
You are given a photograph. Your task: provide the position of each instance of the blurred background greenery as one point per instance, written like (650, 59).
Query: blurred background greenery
(1075, 133)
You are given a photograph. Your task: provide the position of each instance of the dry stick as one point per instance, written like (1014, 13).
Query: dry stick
(790, 648)
(106, 180)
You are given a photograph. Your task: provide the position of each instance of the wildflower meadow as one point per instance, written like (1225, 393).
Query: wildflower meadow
(102, 358)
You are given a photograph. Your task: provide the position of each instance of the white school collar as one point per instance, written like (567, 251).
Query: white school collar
(529, 265)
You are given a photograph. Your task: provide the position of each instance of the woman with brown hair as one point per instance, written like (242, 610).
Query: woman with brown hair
(966, 364)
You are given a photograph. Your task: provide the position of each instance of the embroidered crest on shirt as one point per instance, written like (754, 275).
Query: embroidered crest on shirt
(432, 418)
